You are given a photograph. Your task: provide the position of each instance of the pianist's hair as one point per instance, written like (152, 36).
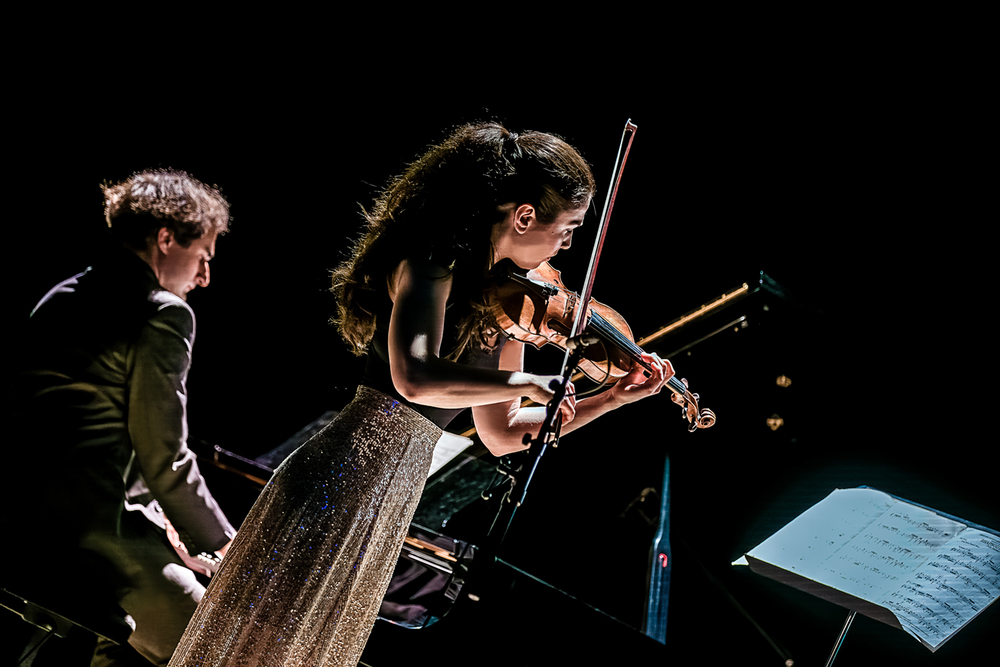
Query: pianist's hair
(137, 208)
(443, 208)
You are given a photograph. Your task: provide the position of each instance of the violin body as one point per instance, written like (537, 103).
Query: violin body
(539, 310)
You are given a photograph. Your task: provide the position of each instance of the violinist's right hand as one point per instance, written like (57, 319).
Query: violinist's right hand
(542, 388)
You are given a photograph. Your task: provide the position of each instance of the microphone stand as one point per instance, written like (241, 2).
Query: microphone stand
(576, 344)
(548, 434)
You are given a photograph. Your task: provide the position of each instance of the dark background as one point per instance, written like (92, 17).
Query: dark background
(849, 185)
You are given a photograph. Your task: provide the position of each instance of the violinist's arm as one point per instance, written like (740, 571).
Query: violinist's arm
(502, 426)
(419, 293)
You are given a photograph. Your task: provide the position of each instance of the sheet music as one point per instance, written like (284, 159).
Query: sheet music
(935, 574)
(951, 589)
(803, 545)
(448, 447)
(887, 552)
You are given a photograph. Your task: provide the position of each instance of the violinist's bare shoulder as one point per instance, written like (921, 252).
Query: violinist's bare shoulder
(410, 270)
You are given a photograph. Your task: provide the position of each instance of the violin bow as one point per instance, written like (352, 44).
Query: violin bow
(579, 322)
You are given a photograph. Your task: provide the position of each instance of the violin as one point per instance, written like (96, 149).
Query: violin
(538, 309)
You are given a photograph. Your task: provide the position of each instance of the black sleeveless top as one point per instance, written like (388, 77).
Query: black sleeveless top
(377, 374)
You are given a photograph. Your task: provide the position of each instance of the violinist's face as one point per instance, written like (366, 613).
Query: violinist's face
(528, 242)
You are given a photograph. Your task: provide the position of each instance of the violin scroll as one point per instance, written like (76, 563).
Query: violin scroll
(696, 416)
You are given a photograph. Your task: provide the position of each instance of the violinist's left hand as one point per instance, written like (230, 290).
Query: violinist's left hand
(640, 383)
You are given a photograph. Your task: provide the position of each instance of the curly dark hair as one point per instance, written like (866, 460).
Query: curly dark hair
(149, 200)
(444, 207)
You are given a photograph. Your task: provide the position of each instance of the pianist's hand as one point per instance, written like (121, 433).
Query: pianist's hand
(198, 564)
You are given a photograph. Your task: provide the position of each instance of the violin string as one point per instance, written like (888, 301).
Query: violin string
(677, 386)
(606, 329)
(613, 335)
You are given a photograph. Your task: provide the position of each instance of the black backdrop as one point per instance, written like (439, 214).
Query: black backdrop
(839, 187)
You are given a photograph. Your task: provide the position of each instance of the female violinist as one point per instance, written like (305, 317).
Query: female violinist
(304, 578)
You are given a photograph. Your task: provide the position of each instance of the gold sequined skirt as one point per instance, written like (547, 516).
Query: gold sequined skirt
(303, 581)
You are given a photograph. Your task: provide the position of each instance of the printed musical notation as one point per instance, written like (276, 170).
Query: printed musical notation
(888, 550)
(934, 574)
(952, 588)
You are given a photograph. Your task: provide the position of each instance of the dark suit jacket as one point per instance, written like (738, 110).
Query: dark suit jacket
(100, 397)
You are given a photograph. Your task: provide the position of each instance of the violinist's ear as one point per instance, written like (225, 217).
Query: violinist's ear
(524, 216)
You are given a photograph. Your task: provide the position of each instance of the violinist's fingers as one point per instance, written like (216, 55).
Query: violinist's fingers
(664, 370)
(639, 383)
(638, 380)
(664, 367)
(570, 395)
(543, 388)
(668, 370)
(568, 405)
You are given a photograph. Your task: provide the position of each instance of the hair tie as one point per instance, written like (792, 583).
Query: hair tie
(512, 138)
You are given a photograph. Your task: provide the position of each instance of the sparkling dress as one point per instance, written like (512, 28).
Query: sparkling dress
(303, 581)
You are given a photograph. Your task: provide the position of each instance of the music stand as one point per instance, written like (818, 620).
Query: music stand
(912, 567)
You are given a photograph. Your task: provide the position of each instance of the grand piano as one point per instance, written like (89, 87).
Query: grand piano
(621, 551)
